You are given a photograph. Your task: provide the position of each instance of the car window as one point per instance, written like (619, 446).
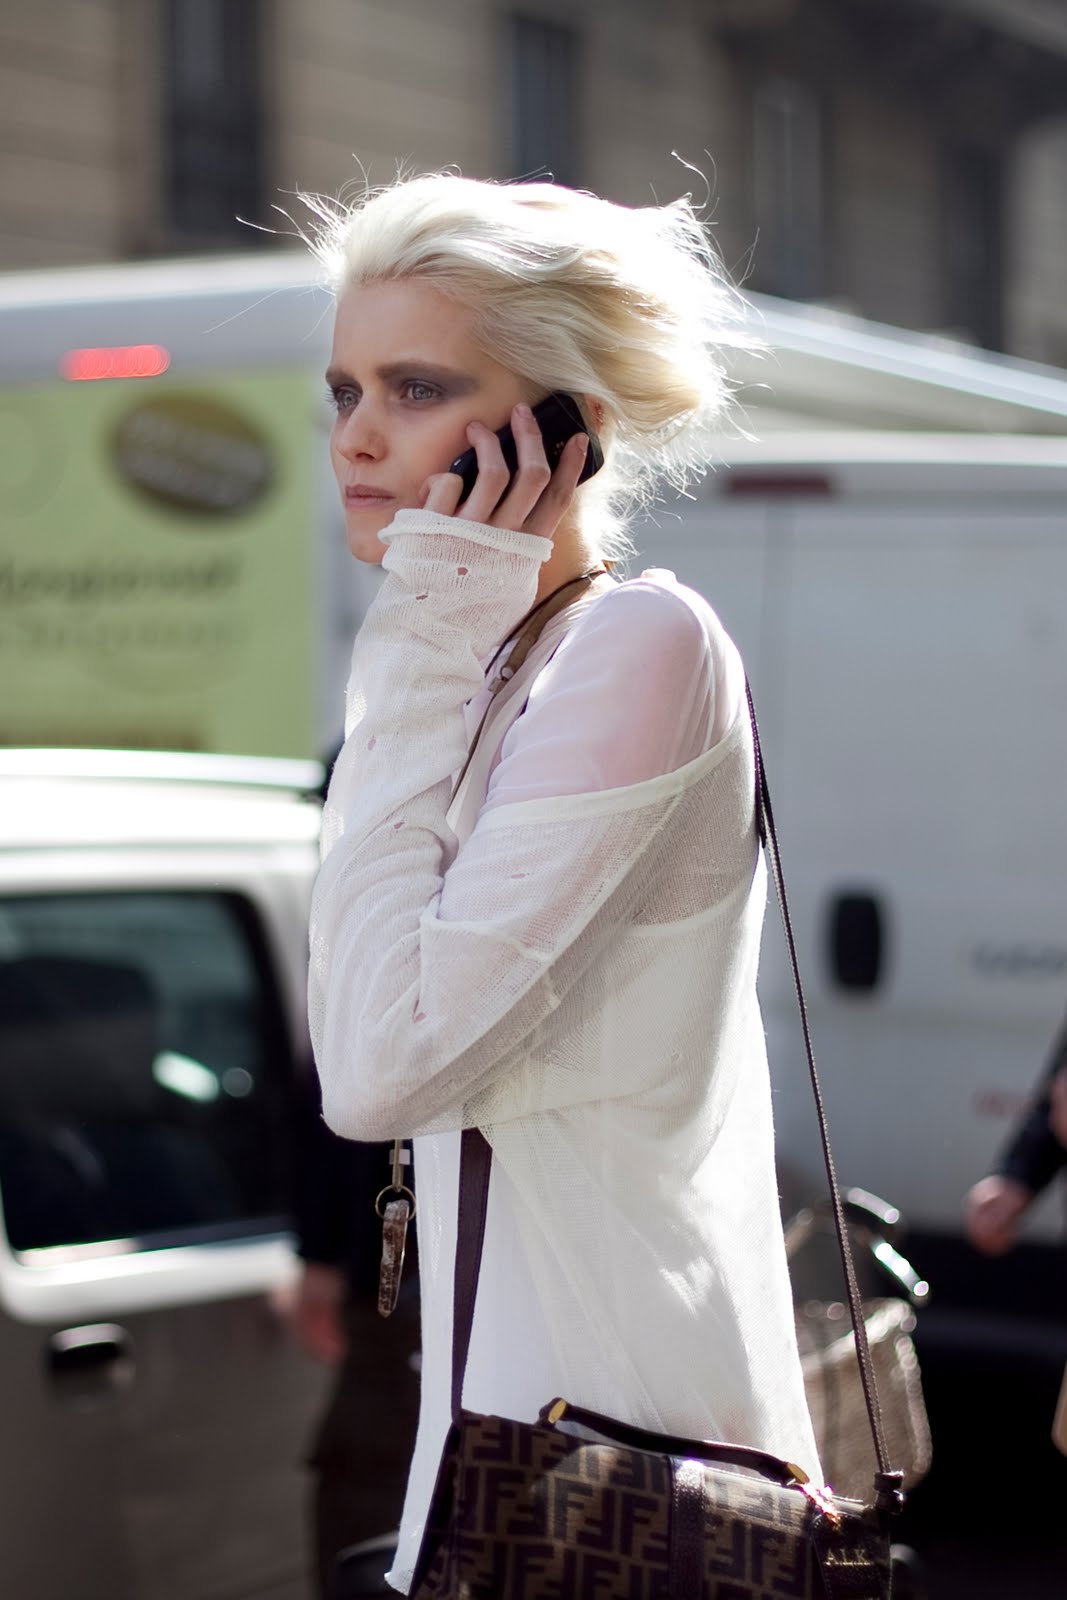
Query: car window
(143, 1071)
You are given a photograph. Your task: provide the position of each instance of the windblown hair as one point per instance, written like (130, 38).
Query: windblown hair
(629, 305)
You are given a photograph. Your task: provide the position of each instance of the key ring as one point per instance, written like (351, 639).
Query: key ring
(394, 1188)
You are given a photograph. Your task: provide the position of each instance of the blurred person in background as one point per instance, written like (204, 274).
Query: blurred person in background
(1033, 1156)
(561, 952)
(362, 1444)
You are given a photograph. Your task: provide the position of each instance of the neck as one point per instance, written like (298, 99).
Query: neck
(573, 552)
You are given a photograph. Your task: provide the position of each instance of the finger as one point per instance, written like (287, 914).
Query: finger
(441, 493)
(492, 480)
(557, 497)
(532, 474)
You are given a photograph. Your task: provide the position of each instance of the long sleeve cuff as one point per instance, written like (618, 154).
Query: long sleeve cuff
(509, 540)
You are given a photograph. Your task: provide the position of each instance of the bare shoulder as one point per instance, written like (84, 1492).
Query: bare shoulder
(653, 612)
(641, 685)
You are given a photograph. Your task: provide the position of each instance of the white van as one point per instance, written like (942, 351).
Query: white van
(153, 953)
(901, 602)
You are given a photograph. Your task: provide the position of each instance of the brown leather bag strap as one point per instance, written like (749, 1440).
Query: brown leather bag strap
(475, 1161)
(525, 636)
(888, 1484)
(712, 1450)
(476, 1154)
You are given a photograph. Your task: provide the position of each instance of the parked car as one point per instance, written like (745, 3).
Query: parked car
(153, 949)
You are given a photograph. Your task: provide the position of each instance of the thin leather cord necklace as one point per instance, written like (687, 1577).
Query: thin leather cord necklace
(525, 635)
(399, 1210)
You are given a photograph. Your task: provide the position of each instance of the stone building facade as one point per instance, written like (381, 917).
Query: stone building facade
(906, 159)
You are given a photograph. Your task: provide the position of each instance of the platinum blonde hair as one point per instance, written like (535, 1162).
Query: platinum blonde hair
(630, 306)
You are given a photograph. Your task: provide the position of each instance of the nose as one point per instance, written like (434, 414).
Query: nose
(360, 435)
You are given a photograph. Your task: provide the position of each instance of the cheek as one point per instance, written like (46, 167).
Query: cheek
(435, 445)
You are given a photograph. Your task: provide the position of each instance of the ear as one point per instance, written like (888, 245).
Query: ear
(595, 409)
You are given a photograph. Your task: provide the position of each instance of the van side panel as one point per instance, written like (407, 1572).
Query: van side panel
(920, 769)
(905, 635)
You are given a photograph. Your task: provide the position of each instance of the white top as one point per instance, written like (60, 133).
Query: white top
(570, 965)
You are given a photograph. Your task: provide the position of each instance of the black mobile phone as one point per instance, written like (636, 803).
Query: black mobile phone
(559, 417)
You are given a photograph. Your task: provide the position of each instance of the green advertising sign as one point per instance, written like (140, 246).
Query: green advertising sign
(156, 564)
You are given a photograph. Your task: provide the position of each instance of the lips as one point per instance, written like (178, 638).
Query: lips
(363, 496)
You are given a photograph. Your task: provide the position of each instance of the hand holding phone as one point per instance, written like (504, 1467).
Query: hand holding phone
(559, 418)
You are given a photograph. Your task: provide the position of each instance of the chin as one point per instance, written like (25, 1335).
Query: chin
(362, 530)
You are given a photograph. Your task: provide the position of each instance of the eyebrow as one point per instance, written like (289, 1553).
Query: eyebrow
(450, 377)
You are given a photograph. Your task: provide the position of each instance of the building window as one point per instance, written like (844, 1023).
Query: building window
(974, 244)
(545, 69)
(787, 189)
(212, 119)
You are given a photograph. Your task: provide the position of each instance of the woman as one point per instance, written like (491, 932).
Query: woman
(565, 954)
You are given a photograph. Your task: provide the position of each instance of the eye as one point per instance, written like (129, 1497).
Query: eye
(342, 397)
(417, 389)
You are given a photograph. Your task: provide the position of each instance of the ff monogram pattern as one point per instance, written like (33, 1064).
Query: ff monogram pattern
(525, 1510)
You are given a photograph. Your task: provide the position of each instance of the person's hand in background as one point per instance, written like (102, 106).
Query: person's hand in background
(316, 1314)
(992, 1212)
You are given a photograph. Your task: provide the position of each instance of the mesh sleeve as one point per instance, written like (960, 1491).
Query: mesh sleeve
(432, 967)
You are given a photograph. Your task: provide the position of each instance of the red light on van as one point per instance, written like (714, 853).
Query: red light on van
(744, 482)
(118, 361)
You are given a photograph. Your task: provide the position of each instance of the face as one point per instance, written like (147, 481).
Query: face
(406, 377)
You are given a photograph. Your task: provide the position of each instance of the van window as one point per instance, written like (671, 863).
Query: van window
(143, 1072)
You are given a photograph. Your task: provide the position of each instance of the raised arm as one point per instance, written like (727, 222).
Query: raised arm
(431, 966)
(1033, 1155)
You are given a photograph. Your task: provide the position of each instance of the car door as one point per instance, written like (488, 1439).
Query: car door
(155, 1408)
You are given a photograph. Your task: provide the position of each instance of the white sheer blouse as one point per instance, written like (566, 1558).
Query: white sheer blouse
(565, 956)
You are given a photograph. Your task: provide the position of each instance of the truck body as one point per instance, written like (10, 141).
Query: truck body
(173, 567)
(900, 604)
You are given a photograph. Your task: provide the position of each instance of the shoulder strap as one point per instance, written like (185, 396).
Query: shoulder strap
(525, 636)
(888, 1483)
(476, 1162)
(522, 640)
